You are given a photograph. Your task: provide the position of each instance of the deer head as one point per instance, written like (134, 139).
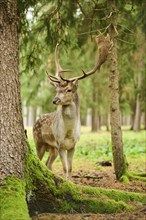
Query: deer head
(66, 93)
(66, 88)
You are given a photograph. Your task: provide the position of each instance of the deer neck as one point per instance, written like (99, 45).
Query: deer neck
(68, 124)
(71, 111)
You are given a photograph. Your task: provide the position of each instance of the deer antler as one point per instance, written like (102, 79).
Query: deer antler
(53, 78)
(58, 66)
(59, 69)
(104, 45)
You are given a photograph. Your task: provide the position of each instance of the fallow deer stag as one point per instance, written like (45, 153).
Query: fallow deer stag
(59, 131)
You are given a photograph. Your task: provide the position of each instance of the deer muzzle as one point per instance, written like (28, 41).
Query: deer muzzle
(56, 100)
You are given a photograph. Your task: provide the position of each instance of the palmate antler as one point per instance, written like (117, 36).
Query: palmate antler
(104, 45)
(59, 69)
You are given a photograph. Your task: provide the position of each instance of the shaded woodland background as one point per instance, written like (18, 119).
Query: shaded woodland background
(40, 24)
(74, 26)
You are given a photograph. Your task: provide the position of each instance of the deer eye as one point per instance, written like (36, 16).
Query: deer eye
(69, 90)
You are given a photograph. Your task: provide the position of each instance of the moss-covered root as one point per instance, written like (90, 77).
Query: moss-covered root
(94, 200)
(133, 176)
(137, 176)
(13, 200)
(50, 193)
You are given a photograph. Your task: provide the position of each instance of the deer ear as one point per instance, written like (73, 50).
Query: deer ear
(75, 83)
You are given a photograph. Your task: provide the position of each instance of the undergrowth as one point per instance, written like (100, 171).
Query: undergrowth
(97, 146)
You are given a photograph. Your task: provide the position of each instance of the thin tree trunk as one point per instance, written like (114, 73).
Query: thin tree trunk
(116, 133)
(132, 115)
(136, 124)
(94, 108)
(108, 121)
(137, 116)
(94, 120)
(144, 120)
(12, 138)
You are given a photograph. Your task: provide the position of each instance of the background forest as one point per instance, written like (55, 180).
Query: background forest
(74, 24)
(29, 32)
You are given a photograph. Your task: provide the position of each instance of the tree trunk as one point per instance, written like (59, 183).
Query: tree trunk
(144, 120)
(133, 107)
(138, 58)
(95, 120)
(116, 133)
(13, 143)
(108, 121)
(137, 115)
(12, 137)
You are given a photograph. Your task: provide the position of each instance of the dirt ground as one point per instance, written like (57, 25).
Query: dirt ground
(103, 177)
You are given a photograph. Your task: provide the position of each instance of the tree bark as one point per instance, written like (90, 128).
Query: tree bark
(144, 120)
(137, 116)
(116, 132)
(139, 67)
(95, 118)
(133, 107)
(108, 121)
(12, 138)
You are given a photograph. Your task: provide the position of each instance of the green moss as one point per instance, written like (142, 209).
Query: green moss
(137, 176)
(75, 199)
(143, 174)
(66, 207)
(87, 199)
(35, 170)
(13, 200)
(116, 195)
(106, 206)
(124, 179)
(68, 197)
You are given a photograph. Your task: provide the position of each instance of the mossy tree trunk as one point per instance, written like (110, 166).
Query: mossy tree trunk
(13, 143)
(12, 137)
(116, 132)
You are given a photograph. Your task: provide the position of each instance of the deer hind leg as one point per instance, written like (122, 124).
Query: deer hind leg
(40, 151)
(70, 154)
(63, 158)
(53, 153)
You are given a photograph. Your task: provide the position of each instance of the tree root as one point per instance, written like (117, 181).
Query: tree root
(133, 176)
(47, 192)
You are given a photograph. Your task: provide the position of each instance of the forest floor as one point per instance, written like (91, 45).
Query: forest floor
(89, 174)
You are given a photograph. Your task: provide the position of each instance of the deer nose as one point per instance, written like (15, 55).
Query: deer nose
(56, 100)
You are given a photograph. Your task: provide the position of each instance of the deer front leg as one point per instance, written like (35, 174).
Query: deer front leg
(70, 154)
(63, 157)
